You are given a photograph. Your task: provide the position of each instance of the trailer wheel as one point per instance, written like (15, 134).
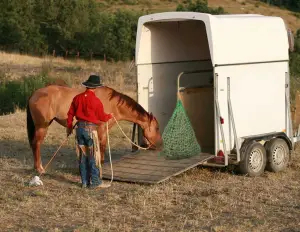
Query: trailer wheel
(277, 155)
(254, 160)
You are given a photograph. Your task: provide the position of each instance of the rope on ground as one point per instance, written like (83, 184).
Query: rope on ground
(36, 180)
(109, 151)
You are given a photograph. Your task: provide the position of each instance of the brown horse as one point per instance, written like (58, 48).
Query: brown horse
(52, 103)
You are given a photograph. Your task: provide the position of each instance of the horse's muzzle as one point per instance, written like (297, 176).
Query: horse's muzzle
(159, 145)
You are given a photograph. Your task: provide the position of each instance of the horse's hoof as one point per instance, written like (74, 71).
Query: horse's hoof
(41, 170)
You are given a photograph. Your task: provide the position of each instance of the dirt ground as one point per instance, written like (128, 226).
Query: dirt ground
(202, 199)
(231, 6)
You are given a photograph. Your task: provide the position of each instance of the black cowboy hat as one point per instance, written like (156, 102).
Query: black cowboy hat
(94, 81)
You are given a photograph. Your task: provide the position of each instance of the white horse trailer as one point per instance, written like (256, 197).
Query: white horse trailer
(234, 79)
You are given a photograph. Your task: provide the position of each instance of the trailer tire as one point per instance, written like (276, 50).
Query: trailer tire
(278, 155)
(254, 160)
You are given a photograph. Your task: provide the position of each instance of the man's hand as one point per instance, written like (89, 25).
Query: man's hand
(69, 131)
(111, 117)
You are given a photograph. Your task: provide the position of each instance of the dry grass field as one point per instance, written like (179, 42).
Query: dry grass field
(199, 200)
(202, 199)
(120, 75)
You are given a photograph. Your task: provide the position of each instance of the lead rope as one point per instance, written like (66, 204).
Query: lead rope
(66, 140)
(54, 155)
(109, 151)
(143, 148)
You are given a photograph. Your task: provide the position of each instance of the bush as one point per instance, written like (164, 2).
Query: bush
(294, 64)
(199, 6)
(15, 93)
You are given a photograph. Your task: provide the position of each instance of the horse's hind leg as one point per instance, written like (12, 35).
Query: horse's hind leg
(39, 137)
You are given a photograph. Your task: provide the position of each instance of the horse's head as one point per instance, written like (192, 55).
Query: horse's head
(152, 134)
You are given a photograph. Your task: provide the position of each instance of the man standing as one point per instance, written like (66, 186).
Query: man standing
(89, 111)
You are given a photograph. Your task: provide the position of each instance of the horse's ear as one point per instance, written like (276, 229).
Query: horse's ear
(151, 115)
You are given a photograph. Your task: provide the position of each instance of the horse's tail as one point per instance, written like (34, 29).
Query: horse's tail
(30, 126)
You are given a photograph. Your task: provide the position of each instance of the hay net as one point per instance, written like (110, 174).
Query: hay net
(179, 137)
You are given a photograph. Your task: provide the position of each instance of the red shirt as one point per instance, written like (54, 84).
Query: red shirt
(87, 107)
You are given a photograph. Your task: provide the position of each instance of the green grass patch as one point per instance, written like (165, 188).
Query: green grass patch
(14, 94)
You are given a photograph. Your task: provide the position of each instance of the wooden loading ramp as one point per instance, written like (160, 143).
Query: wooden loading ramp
(148, 167)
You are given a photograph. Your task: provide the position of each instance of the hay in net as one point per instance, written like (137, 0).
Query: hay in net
(179, 137)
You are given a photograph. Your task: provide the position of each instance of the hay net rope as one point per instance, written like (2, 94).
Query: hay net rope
(179, 137)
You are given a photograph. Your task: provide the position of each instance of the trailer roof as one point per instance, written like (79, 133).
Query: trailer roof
(232, 39)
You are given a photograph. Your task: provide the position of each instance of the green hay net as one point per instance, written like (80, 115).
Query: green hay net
(179, 137)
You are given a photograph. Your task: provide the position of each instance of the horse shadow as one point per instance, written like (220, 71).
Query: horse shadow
(17, 157)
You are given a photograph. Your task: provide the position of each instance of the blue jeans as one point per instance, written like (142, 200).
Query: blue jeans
(89, 172)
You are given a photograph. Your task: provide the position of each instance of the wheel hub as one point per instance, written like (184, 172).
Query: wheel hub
(256, 160)
(278, 155)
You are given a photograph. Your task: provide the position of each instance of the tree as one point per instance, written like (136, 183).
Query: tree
(39, 26)
(293, 5)
(118, 32)
(199, 6)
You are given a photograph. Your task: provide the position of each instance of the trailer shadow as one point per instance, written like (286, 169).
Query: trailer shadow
(231, 169)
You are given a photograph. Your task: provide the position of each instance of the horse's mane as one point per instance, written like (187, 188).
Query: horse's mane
(58, 82)
(131, 104)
